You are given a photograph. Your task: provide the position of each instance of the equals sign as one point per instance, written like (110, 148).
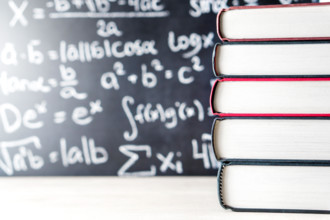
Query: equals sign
(38, 13)
(53, 55)
(59, 117)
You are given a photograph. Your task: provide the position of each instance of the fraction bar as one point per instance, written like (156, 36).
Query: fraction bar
(109, 15)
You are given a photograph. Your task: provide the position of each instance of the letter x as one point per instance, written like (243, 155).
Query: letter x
(95, 107)
(208, 40)
(166, 162)
(18, 13)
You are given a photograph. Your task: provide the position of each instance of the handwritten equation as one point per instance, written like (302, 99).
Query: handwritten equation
(107, 87)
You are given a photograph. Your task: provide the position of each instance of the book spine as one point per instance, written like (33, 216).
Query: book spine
(217, 68)
(228, 115)
(215, 122)
(220, 189)
(218, 23)
(224, 39)
(217, 149)
(214, 60)
(212, 97)
(220, 182)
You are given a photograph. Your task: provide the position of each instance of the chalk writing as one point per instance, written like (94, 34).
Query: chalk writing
(22, 158)
(200, 7)
(107, 29)
(206, 154)
(168, 164)
(129, 150)
(132, 151)
(96, 50)
(88, 153)
(18, 13)
(108, 87)
(194, 41)
(149, 113)
(9, 54)
(68, 75)
(13, 84)
(27, 118)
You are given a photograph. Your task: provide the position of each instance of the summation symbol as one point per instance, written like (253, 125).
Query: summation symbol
(38, 13)
(59, 117)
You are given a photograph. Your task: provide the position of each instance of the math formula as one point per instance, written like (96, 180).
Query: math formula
(107, 87)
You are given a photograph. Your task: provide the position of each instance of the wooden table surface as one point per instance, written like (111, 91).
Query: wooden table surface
(119, 198)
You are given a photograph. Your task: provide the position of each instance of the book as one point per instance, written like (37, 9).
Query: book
(298, 58)
(275, 22)
(273, 97)
(275, 187)
(271, 139)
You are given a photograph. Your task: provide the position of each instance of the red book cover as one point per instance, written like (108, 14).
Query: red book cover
(223, 38)
(324, 83)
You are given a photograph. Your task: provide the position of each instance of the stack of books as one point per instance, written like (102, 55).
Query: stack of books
(272, 99)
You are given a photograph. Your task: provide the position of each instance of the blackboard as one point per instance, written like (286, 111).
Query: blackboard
(108, 87)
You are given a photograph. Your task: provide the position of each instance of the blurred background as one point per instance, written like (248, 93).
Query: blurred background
(108, 87)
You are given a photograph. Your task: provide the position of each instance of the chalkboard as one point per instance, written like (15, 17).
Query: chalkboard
(108, 87)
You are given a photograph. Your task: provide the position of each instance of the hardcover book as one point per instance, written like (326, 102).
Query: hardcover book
(271, 139)
(295, 97)
(275, 22)
(298, 58)
(275, 187)
(272, 99)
